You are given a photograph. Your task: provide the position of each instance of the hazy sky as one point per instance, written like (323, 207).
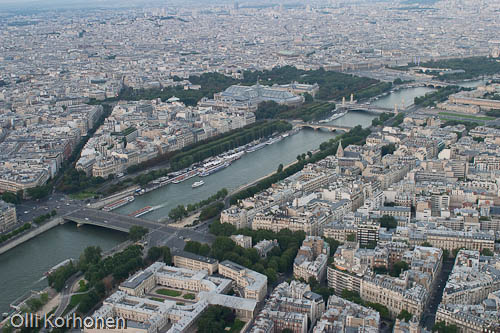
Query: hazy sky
(68, 3)
(40, 4)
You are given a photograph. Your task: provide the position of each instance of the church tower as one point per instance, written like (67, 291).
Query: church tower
(340, 150)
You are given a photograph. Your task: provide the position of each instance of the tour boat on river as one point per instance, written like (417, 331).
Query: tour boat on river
(198, 184)
(118, 203)
(214, 166)
(142, 211)
(185, 176)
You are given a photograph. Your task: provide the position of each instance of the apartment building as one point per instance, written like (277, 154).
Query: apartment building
(344, 316)
(242, 240)
(148, 311)
(307, 222)
(195, 262)
(22, 176)
(398, 212)
(8, 217)
(451, 240)
(340, 231)
(471, 298)
(159, 274)
(252, 285)
(396, 294)
(480, 102)
(291, 305)
(347, 270)
(265, 246)
(311, 259)
(368, 233)
(472, 279)
(236, 217)
(339, 280)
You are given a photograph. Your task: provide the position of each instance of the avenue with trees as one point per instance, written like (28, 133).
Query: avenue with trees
(181, 211)
(211, 211)
(472, 67)
(15, 232)
(438, 96)
(199, 151)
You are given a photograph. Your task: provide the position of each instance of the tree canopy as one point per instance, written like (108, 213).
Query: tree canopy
(279, 259)
(472, 67)
(405, 315)
(388, 149)
(487, 252)
(159, 253)
(356, 298)
(137, 232)
(441, 327)
(215, 319)
(398, 268)
(388, 222)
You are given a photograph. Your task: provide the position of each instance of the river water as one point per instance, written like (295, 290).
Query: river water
(250, 167)
(473, 84)
(402, 97)
(22, 268)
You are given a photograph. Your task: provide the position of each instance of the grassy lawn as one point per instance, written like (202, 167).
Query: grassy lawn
(156, 299)
(188, 296)
(75, 300)
(237, 326)
(168, 292)
(468, 116)
(82, 195)
(180, 303)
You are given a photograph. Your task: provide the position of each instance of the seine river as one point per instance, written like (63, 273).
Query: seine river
(402, 97)
(250, 167)
(22, 268)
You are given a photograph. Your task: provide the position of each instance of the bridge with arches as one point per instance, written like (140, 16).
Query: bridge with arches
(328, 127)
(367, 108)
